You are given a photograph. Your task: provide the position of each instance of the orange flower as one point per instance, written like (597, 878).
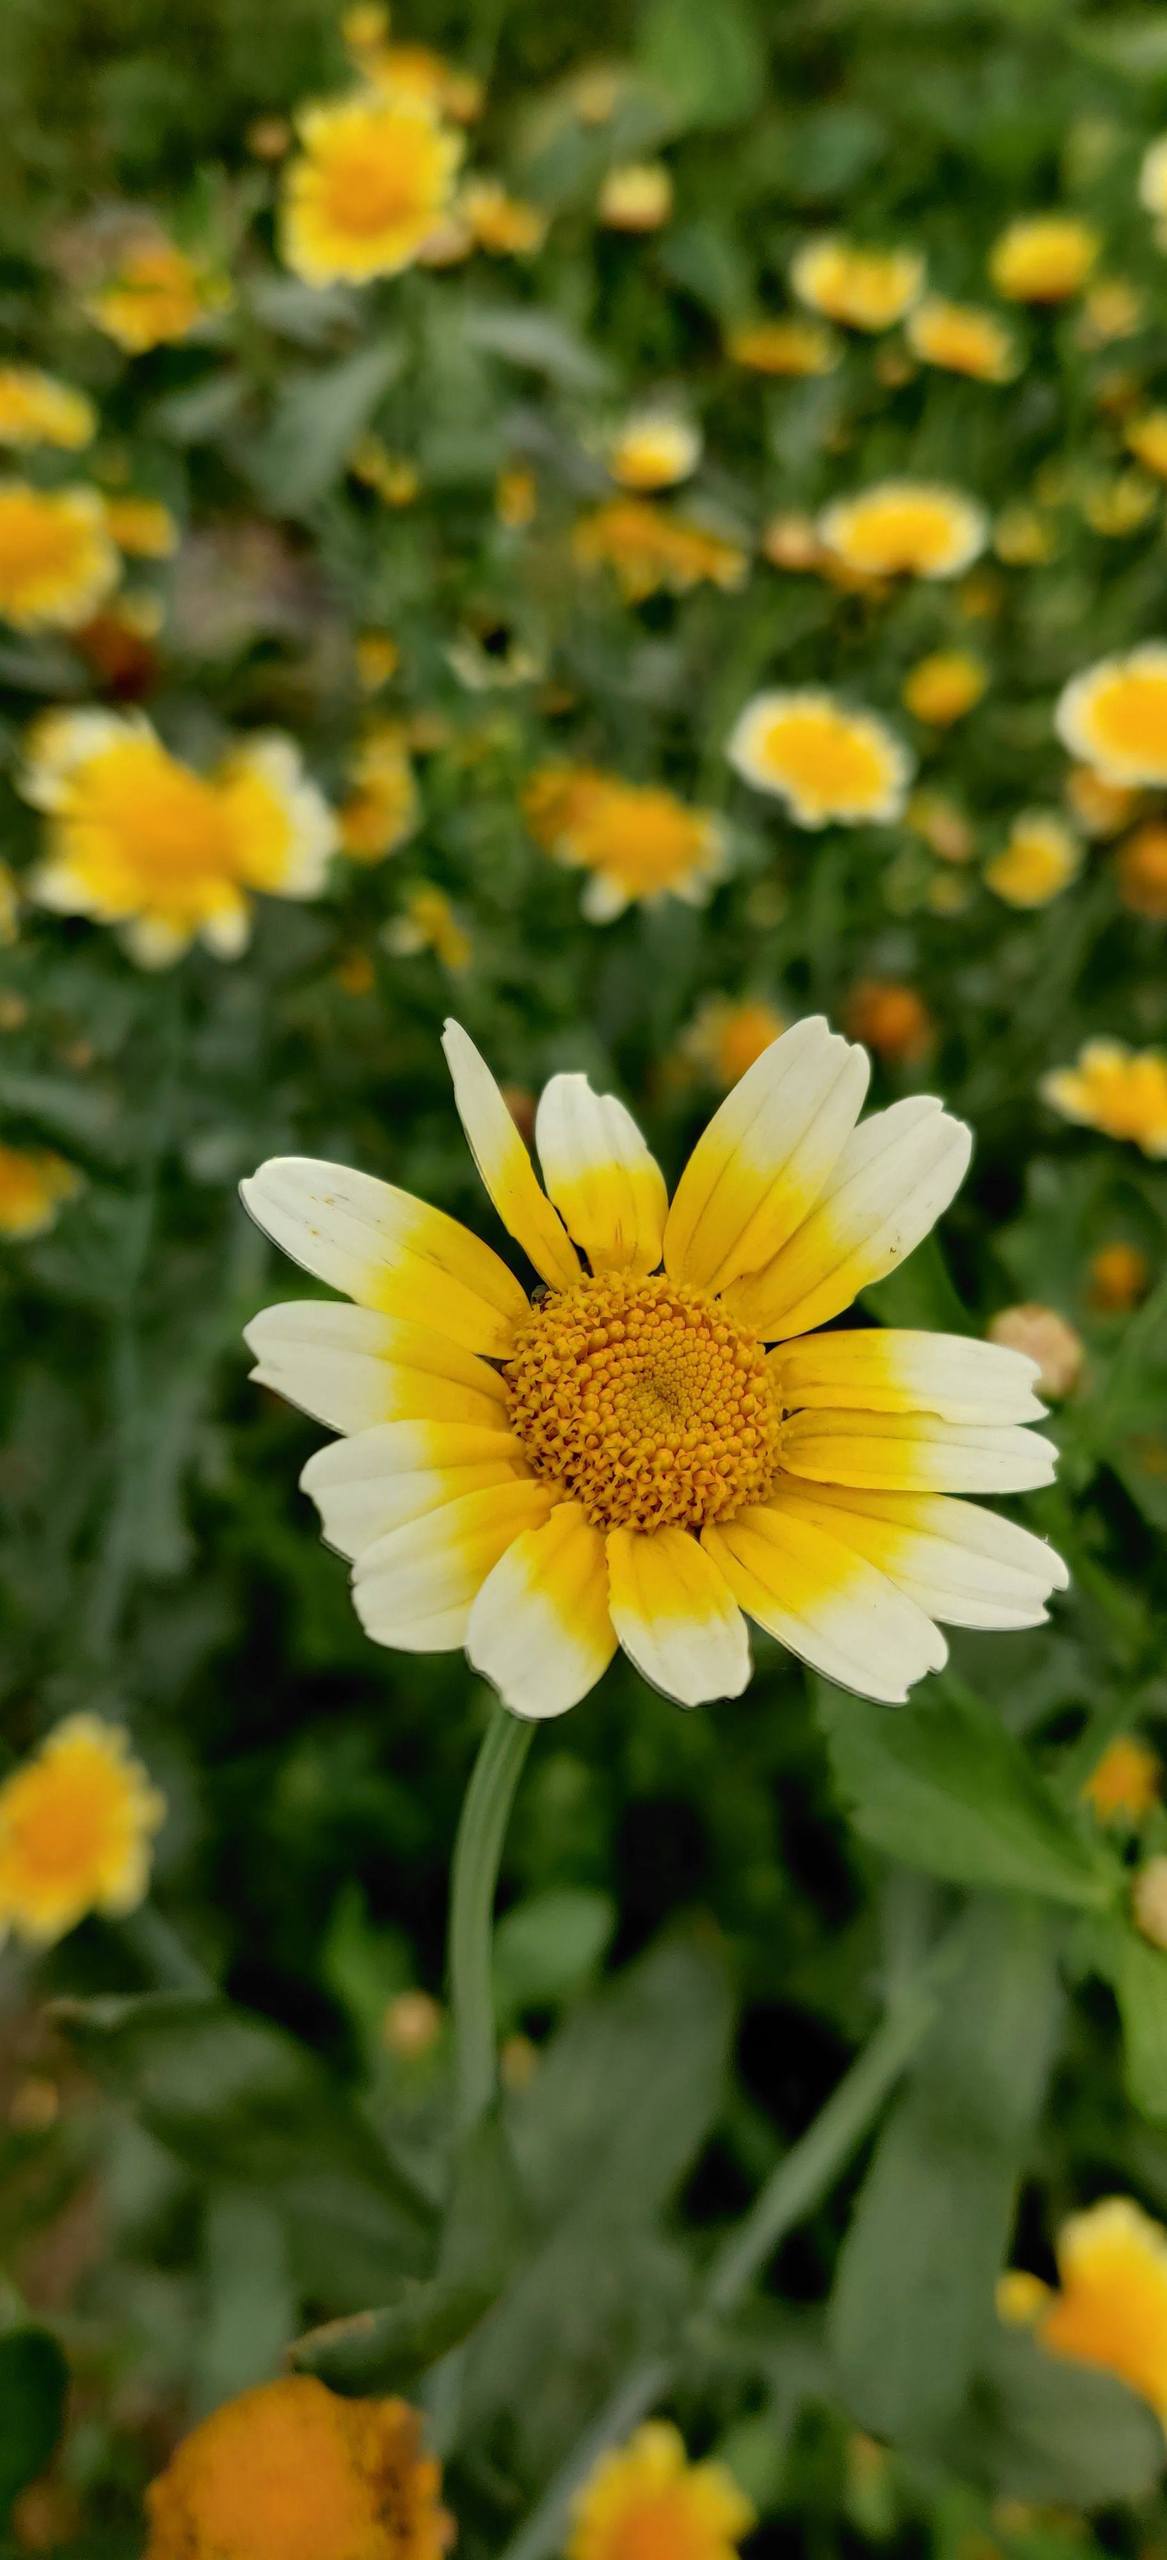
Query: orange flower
(290, 2472)
(1141, 871)
(33, 1183)
(371, 182)
(726, 1036)
(76, 1823)
(891, 1019)
(649, 2502)
(1123, 1786)
(648, 550)
(638, 842)
(1100, 807)
(1121, 1091)
(1110, 2308)
(156, 296)
(1120, 1277)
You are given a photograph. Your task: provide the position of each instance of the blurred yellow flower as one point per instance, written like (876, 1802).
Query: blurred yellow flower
(1113, 310)
(905, 528)
(1119, 1090)
(942, 824)
(890, 1018)
(429, 923)
(1153, 177)
(57, 562)
(1100, 807)
(789, 346)
(139, 840)
(1141, 871)
(380, 812)
(33, 1184)
(960, 338)
(636, 196)
(141, 527)
(792, 542)
(727, 1034)
(1124, 1785)
(290, 2471)
(1114, 715)
(377, 659)
(1147, 438)
(649, 2502)
(373, 178)
(156, 295)
(864, 288)
(516, 497)
(1044, 1337)
(417, 73)
(1118, 506)
(36, 409)
(504, 225)
(638, 842)
(941, 688)
(833, 766)
(654, 449)
(649, 550)
(1038, 859)
(1043, 257)
(1110, 2305)
(394, 477)
(1119, 1276)
(76, 1825)
(1023, 538)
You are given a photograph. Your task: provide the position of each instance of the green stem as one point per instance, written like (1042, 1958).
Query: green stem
(474, 1878)
(161, 1952)
(807, 2173)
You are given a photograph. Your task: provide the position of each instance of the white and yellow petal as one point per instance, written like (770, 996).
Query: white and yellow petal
(915, 1453)
(608, 1189)
(894, 1177)
(894, 1371)
(960, 1564)
(415, 1587)
(675, 1616)
(505, 1165)
(372, 1482)
(826, 1603)
(387, 1250)
(540, 1629)
(350, 1367)
(766, 1156)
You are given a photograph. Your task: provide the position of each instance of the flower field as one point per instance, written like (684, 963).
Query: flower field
(583, 1232)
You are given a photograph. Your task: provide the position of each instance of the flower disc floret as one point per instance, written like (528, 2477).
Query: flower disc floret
(645, 1403)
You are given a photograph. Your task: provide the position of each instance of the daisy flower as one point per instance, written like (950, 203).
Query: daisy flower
(864, 288)
(647, 2500)
(905, 528)
(654, 449)
(791, 347)
(621, 1460)
(33, 1184)
(940, 689)
(1114, 716)
(372, 180)
(1039, 858)
(636, 196)
(36, 409)
(292, 2469)
(1109, 2308)
(960, 338)
(1043, 257)
(1121, 1091)
(57, 562)
(638, 841)
(76, 1824)
(138, 839)
(832, 765)
(156, 296)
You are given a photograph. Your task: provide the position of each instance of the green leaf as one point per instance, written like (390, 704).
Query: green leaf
(34, 2381)
(237, 2099)
(1040, 2427)
(549, 1947)
(318, 418)
(709, 62)
(539, 341)
(387, 2349)
(921, 1292)
(913, 2309)
(1140, 1982)
(945, 1788)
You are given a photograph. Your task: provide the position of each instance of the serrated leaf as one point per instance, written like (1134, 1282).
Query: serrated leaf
(317, 421)
(549, 1947)
(945, 1788)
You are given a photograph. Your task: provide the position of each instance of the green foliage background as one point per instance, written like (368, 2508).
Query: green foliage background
(753, 1886)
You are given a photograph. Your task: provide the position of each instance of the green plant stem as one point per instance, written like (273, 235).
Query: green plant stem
(473, 1881)
(807, 2173)
(161, 1952)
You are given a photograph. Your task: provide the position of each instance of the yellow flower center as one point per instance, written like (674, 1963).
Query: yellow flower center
(371, 185)
(645, 1403)
(165, 821)
(40, 537)
(1130, 714)
(823, 757)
